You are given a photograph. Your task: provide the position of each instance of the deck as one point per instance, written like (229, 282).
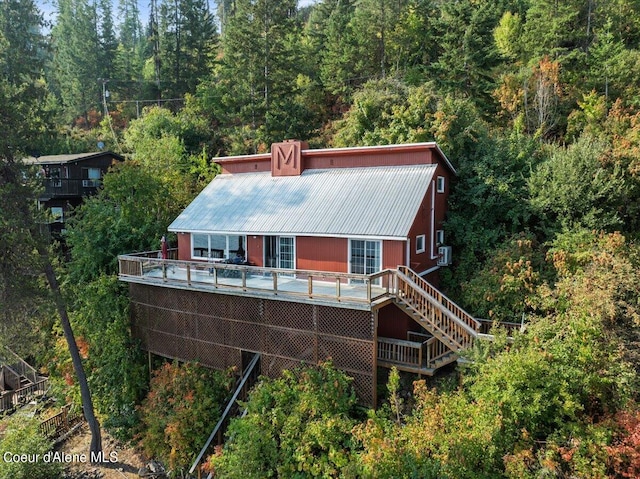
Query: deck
(335, 289)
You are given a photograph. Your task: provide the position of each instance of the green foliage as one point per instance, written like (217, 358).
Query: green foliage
(18, 436)
(298, 425)
(115, 366)
(574, 188)
(502, 289)
(183, 405)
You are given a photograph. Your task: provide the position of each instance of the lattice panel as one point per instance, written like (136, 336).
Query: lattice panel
(244, 335)
(345, 322)
(364, 387)
(272, 366)
(210, 304)
(214, 329)
(289, 315)
(211, 329)
(293, 344)
(245, 309)
(350, 355)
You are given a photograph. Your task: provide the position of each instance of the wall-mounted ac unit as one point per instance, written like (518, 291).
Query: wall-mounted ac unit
(444, 255)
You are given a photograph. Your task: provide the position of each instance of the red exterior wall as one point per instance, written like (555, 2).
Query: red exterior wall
(423, 223)
(327, 159)
(322, 254)
(393, 253)
(394, 323)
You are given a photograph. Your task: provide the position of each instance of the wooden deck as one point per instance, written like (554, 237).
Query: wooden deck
(335, 289)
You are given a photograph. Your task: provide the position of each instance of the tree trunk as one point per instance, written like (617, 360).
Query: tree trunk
(87, 404)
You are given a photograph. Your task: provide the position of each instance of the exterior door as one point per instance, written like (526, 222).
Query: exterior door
(279, 252)
(365, 256)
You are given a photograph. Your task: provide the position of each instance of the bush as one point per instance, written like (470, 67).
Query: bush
(22, 436)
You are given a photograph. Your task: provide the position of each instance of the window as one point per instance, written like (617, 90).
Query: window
(420, 239)
(440, 184)
(365, 257)
(217, 246)
(57, 214)
(439, 237)
(91, 177)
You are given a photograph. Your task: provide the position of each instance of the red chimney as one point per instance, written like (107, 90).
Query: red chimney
(286, 158)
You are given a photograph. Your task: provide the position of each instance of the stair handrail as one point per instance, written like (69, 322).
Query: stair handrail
(245, 376)
(25, 369)
(442, 302)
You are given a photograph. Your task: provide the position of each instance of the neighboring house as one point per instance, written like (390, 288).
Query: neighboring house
(303, 255)
(68, 179)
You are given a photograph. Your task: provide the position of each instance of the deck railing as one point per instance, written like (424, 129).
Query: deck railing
(10, 399)
(407, 353)
(276, 281)
(17, 364)
(60, 424)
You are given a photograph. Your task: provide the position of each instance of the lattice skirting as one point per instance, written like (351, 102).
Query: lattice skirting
(214, 329)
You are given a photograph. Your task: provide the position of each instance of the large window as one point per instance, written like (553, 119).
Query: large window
(91, 177)
(218, 246)
(365, 256)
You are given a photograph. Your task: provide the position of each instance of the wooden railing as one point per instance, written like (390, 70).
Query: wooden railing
(11, 399)
(219, 275)
(17, 364)
(441, 316)
(60, 424)
(399, 351)
(435, 350)
(508, 326)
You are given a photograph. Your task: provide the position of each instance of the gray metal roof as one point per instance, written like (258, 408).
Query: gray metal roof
(70, 158)
(378, 202)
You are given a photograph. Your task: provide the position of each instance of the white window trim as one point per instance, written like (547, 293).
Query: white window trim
(295, 253)
(364, 239)
(226, 250)
(440, 184)
(419, 248)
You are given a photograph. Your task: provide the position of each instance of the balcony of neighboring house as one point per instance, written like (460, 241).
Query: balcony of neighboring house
(69, 188)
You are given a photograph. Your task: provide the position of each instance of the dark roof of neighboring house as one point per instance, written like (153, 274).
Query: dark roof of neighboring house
(72, 158)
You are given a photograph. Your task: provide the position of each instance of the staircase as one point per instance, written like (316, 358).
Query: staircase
(452, 328)
(19, 381)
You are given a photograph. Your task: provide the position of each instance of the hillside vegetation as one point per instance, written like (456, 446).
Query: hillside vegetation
(535, 102)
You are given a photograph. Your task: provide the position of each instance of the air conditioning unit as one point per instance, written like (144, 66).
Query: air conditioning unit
(444, 255)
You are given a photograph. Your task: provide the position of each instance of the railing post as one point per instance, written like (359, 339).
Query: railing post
(310, 285)
(275, 282)
(189, 274)
(244, 279)
(164, 271)
(338, 289)
(368, 289)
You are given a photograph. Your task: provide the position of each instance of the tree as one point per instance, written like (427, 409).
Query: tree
(183, 404)
(298, 425)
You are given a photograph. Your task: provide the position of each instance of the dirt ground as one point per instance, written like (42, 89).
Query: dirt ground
(126, 461)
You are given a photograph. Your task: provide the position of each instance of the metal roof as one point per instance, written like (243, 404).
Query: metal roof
(379, 202)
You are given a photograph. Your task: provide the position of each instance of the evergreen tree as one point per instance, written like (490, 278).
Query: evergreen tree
(76, 61)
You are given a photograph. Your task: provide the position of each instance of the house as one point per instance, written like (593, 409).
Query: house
(302, 255)
(68, 179)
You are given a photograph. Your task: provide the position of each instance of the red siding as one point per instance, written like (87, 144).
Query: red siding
(322, 254)
(377, 158)
(422, 224)
(393, 253)
(394, 323)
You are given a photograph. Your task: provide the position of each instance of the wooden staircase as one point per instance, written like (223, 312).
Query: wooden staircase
(19, 381)
(452, 329)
